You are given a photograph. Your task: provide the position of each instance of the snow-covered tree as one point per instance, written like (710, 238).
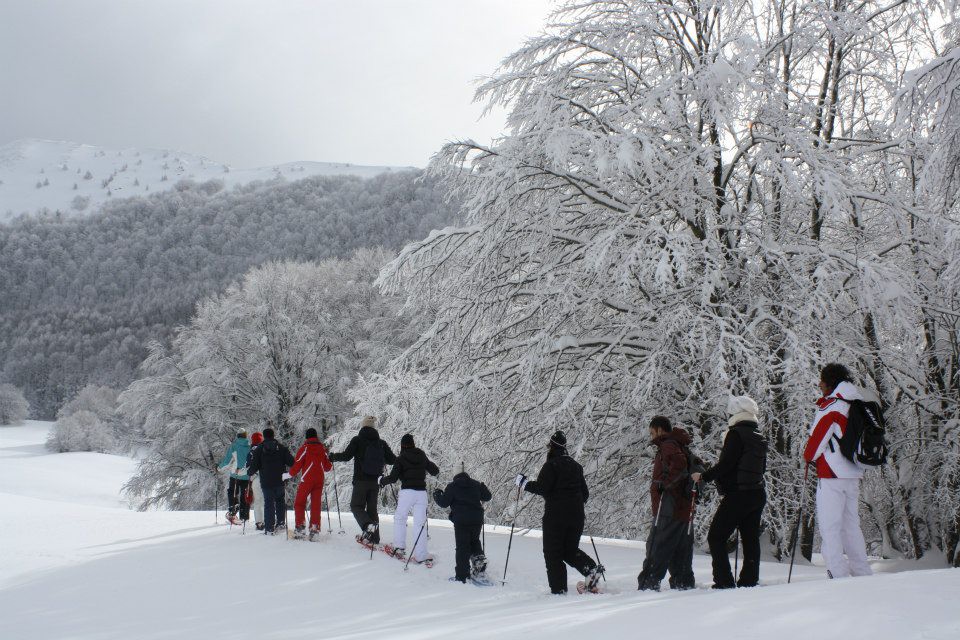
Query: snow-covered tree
(88, 422)
(14, 408)
(693, 199)
(286, 344)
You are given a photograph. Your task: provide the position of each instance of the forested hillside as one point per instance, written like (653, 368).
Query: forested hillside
(82, 298)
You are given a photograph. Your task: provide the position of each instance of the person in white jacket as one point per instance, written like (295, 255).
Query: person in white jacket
(838, 487)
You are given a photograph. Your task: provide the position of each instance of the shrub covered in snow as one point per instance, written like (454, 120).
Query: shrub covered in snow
(14, 408)
(88, 422)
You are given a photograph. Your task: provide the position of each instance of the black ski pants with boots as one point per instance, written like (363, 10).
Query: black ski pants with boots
(740, 510)
(669, 547)
(363, 504)
(274, 508)
(561, 546)
(467, 537)
(237, 497)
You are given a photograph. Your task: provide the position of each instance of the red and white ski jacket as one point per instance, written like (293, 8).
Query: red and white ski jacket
(829, 423)
(312, 461)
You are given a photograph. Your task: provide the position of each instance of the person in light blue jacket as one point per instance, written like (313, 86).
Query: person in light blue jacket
(235, 463)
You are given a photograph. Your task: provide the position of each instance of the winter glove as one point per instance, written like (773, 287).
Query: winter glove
(437, 494)
(521, 481)
(285, 477)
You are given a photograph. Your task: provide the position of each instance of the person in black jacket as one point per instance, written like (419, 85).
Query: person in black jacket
(464, 497)
(411, 468)
(271, 460)
(564, 489)
(739, 477)
(369, 454)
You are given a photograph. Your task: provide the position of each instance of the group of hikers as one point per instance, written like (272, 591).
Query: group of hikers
(677, 478)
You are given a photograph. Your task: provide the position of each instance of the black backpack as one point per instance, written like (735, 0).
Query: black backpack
(864, 440)
(373, 458)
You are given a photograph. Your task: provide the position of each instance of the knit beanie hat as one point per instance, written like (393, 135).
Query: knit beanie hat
(558, 439)
(311, 433)
(741, 408)
(368, 421)
(406, 442)
(256, 438)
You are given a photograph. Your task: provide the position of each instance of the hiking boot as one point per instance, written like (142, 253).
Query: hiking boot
(299, 533)
(370, 535)
(456, 579)
(592, 581)
(260, 526)
(478, 564)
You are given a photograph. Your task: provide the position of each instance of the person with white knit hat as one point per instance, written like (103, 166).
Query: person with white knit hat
(739, 477)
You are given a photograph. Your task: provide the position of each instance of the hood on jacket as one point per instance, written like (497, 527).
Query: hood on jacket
(462, 478)
(678, 435)
(847, 391)
(368, 433)
(413, 455)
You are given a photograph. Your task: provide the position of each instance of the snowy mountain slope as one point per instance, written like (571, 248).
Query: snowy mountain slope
(75, 563)
(77, 178)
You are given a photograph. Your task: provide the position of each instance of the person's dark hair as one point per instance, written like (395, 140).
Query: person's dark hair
(268, 434)
(406, 442)
(833, 374)
(311, 433)
(662, 423)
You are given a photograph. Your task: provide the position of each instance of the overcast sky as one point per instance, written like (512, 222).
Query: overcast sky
(260, 82)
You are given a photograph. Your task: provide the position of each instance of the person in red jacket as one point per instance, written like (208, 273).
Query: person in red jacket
(311, 462)
(669, 545)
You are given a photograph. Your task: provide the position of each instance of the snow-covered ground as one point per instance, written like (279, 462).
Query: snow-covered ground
(75, 562)
(77, 178)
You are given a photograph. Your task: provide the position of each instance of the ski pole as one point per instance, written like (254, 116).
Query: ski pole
(336, 495)
(510, 542)
(693, 509)
(407, 565)
(603, 574)
(736, 554)
(326, 498)
(216, 501)
(796, 529)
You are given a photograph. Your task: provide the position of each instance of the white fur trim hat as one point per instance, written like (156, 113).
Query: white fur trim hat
(741, 408)
(368, 421)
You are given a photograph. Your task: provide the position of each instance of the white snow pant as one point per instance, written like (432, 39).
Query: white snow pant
(411, 500)
(257, 500)
(838, 519)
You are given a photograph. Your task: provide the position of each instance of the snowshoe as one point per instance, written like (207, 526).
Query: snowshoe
(365, 543)
(395, 552)
(299, 533)
(233, 519)
(314, 534)
(428, 562)
(592, 582)
(456, 579)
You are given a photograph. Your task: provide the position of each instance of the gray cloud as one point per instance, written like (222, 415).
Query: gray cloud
(252, 83)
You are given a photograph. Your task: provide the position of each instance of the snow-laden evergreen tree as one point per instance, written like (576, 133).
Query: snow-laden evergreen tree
(285, 344)
(693, 199)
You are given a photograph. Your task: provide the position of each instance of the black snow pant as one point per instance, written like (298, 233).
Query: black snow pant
(740, 510)
(561, 544)
(467, 537)
(274, 508)
(237, 497)
(363, 504)
(669, 547)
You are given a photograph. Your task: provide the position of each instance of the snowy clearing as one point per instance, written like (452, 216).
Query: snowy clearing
(75, 562)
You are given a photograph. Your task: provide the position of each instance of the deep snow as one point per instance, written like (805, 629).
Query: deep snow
(75, 562)
(41, 174)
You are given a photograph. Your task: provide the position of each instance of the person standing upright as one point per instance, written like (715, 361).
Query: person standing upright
(564, 489)
(271, 460)
(411, 469)
(256, 439)
(669, 545)
(234, 461)
(311, 462)
(370, 455)
(739, 474)
(838, 486)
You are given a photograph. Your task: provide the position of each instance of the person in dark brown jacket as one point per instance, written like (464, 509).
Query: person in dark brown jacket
(669, 545)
